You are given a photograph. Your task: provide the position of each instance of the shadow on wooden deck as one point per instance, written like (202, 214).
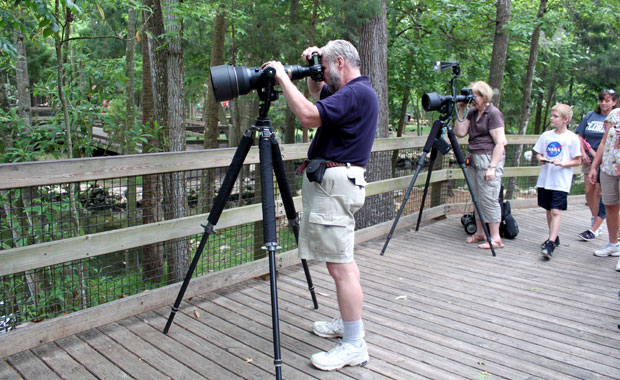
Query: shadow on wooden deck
(435, 308)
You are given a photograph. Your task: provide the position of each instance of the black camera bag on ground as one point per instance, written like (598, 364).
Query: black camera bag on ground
(508, 227)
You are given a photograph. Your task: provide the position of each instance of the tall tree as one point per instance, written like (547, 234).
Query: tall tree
(373, 54)
(128, 144)
(175, 200)
(153, 262)
(500, 49)
(22, 79)
(524, 118)
(211, 115)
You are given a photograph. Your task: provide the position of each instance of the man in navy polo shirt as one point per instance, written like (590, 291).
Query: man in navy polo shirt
(346, 122)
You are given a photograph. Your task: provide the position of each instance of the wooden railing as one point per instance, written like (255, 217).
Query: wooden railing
(22, 259)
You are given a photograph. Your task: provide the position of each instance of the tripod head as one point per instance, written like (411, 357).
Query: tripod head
(446, 104)
(267, 93)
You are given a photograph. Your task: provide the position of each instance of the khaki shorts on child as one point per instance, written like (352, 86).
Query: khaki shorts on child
(327, 224)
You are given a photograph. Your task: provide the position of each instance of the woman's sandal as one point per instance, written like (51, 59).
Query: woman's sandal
(475, 239)
(496, 244)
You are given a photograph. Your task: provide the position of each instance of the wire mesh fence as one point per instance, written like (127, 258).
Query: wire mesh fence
(40, 214)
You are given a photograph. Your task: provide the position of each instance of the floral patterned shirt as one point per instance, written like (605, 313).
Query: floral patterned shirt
(610, 163)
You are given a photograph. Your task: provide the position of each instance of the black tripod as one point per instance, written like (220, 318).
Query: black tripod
(270, 161)
(435, 143)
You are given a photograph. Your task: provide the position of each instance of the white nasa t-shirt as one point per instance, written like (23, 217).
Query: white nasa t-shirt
(564, 147)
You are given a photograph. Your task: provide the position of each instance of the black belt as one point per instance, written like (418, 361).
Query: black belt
(328, 164)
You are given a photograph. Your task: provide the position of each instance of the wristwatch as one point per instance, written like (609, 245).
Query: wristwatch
(492, 167)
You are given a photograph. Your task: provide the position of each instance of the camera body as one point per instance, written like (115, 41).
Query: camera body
(434, 102)
(230, 81)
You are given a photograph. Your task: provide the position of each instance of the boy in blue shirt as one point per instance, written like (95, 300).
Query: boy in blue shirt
(558, 151)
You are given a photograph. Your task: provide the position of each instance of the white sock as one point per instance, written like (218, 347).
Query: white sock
(353, 332)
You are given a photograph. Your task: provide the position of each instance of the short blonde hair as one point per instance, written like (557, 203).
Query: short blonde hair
(564, 110)
(483, 89)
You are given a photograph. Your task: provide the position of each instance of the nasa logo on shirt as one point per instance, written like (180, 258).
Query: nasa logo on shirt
(554, 149)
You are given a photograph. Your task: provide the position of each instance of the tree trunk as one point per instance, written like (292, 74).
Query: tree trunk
(289, 130)
(4, 93)
(21, 74)
(153, 257)
(129, 146)
(402, 122)
(74, 188)
(373, 54)
(175, 205)
(527, 93)
(311, 39)
(159, 67)
(211, 114)
(500, 48)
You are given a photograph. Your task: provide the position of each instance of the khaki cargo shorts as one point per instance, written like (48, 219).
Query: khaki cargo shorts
(327, 229)
(487, 192)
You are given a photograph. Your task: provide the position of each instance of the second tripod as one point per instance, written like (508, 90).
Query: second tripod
(434, 144)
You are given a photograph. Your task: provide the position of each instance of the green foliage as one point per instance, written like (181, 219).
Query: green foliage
(22, 142)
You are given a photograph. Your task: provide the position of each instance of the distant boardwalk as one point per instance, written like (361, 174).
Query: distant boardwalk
(435, 308)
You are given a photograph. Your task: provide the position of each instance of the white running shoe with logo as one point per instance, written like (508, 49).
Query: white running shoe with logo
(342, 355)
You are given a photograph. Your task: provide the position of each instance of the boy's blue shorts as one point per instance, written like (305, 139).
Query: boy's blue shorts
(552, 199)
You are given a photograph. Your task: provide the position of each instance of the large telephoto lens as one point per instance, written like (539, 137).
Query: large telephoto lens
(433, 101)
(231, 81)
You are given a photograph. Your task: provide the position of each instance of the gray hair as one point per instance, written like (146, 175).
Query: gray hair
(341, 48)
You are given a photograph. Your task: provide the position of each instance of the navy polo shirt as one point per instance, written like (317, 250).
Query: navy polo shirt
(348, 123)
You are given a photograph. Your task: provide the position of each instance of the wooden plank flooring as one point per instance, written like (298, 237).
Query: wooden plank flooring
(435, 308)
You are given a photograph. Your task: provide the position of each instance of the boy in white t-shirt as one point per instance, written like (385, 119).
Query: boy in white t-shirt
(557, 151)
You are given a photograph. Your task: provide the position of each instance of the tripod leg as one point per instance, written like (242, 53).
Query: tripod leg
(431, 164)
(461, 161)
(270, 237)
(432, 136)
(214, 215)
(405, 199)
(289, 207)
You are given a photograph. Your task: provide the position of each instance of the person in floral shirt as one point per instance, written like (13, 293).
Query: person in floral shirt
(608, 157)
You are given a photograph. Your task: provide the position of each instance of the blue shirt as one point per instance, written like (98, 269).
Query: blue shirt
(592, 129)
(348, 123)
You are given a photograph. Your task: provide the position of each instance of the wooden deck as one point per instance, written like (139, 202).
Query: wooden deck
(435, 308)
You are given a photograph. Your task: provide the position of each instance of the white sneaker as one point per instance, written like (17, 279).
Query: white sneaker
(333, 329)
(618, 266)
(342, 355)
(608, 250)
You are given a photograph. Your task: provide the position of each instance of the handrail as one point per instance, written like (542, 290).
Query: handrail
(42, 173)
(16, 260)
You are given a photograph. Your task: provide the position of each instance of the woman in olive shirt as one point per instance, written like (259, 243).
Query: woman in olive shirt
(484, 123)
